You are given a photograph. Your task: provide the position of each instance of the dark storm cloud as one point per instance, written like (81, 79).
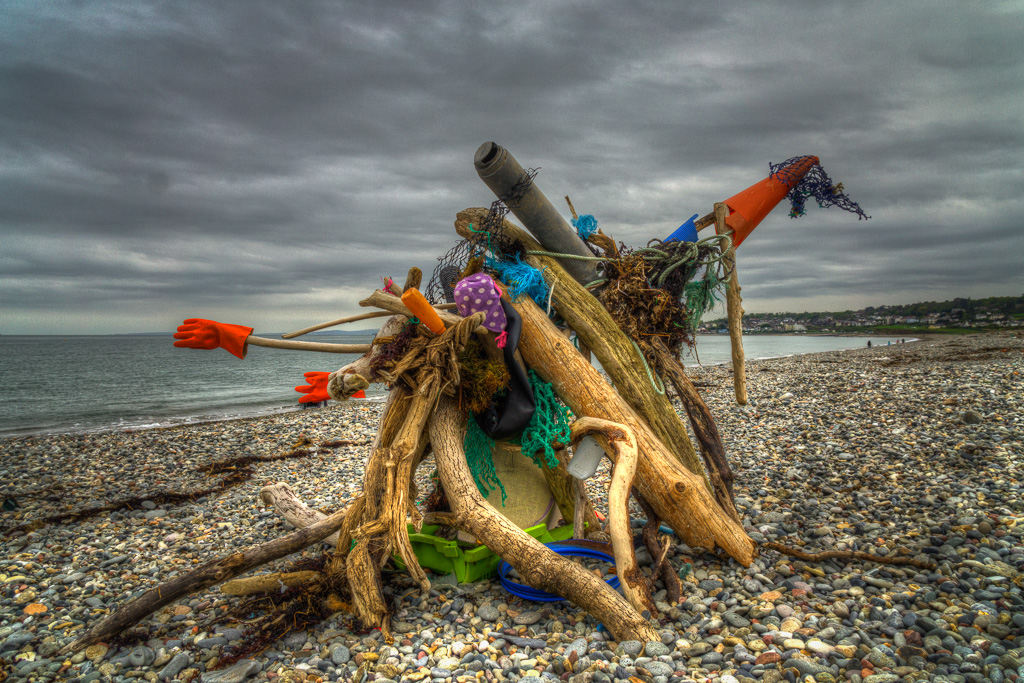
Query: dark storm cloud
(268, 162)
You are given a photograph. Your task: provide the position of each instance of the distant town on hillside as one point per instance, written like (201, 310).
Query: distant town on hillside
(958, 315)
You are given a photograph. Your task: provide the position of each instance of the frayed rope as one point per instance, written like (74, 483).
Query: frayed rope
(521, 278)
(816, 184)
(586, 225)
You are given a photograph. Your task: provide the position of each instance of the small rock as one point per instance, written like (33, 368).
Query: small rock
(233, 674)
(174, 667)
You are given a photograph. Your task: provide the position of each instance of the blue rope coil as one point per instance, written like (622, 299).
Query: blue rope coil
(537, 595)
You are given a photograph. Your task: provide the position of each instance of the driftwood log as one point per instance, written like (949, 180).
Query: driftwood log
(358, 374)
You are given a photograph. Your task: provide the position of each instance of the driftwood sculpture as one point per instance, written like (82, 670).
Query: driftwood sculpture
(431, 357)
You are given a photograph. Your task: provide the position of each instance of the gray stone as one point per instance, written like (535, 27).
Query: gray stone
(233, 674)
(16, 640)
(579, 646)
(488, 613)
(658, 668)
(735, 620)
(971, 417)
(527, 618)
(174, 667)
(526, 642)
(340, 654)
(656, 648)
(141, 656)
(207, 643)
(879, 658)
(631, 648)
(806, 667)
(881, 678)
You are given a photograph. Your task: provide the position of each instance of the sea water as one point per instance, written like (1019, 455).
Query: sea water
(101, 383)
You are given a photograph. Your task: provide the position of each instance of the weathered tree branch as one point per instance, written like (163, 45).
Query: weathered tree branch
(209, 574)
(288, 504)
(620, 444)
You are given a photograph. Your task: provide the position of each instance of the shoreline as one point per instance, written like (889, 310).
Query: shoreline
(861, 449)
(172, 421)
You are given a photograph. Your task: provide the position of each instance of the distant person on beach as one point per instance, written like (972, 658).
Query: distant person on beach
(869, 343)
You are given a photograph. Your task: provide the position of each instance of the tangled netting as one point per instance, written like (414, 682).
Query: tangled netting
(816, 184)
(549, 425)
(656, 291)
(488, 238)
(479, 450)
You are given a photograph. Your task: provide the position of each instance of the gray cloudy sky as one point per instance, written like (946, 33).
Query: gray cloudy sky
(266, 162)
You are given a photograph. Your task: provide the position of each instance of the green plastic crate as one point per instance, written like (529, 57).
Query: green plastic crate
(469, 564)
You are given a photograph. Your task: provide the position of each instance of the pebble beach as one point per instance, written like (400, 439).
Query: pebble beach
(910, 450)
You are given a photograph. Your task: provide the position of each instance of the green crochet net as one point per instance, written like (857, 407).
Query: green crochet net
(479, 450)
(550, 422)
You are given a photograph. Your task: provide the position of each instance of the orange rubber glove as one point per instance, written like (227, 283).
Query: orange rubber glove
(316, 390)
(421, 308)
(197, 333)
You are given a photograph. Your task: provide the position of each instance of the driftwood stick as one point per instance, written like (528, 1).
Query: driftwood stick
(844, 555)
(387, 302)
(306, 346)
(266, 583)
(620, 444)
(209, 574)
(705, 221)
(538, 566)
(571, 207)
(734, 309)
(288, 504)
(704, 427)
(673, 584)
(333, 323)
(413, 279)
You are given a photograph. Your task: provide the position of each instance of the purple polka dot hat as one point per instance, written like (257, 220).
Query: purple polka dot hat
(478, 293)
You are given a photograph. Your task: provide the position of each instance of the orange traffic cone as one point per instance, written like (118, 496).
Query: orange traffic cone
(749, 207)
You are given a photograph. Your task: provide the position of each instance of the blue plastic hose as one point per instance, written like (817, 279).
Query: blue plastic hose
(537, 595)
